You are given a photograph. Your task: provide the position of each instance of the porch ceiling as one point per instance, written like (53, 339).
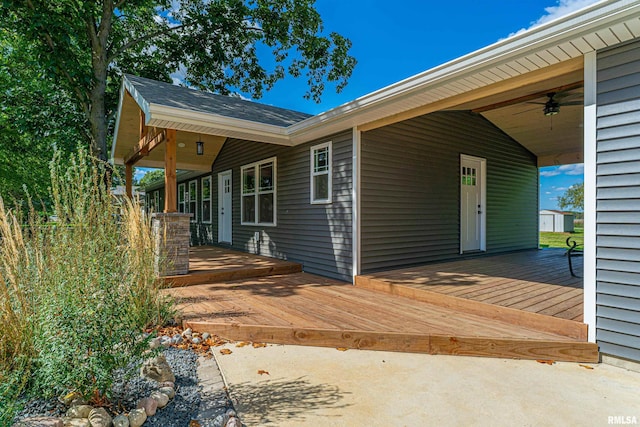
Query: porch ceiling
(519, 113)
(187, 159)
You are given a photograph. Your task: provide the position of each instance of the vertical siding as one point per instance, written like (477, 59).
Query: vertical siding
(318, 236)
(411, 189)
(618, 202)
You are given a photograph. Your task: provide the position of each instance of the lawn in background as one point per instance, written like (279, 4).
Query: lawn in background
(549, 239)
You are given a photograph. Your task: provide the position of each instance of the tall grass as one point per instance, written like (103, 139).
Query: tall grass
(75, 293)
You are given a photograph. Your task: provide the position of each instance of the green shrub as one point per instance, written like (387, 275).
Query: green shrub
(76, 294)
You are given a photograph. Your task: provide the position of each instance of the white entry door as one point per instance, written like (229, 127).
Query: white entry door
(472, 204)
(224, 207)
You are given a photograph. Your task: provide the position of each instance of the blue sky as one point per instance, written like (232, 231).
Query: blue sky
(393, 40)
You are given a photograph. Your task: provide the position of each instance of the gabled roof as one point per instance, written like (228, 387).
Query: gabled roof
(149, 92)
(548, 56)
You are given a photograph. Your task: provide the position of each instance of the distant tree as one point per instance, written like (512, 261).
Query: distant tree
(150, 177)
(218, 45)
(573, 198)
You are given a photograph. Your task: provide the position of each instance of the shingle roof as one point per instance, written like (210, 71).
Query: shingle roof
(155, 92)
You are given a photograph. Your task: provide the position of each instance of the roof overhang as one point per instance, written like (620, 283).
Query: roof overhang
(532, 56)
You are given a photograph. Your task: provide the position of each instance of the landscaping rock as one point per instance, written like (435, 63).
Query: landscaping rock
(196, 340)
(166, 341)
(76, 422)
(40, 422)
(149, 405)
(187, 332)
(98, 417)
(79, 411)
(177, 339)
(167, 384)
(157, 369)
(231, 413)
(206, 336)
(161, 398)
(155, 343)
(233, 422)
(68, 398)
(169, 391)
(120, 421)
(137, 417)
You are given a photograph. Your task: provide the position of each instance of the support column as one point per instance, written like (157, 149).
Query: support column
(171, 233)
(170, 185)
(128, 180)
(590, 166)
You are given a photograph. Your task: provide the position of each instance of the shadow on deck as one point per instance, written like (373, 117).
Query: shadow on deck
(380, 313)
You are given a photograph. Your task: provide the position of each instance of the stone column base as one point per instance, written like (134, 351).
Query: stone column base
(171, 234)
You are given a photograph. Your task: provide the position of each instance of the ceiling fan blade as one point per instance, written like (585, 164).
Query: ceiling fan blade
(562, 104)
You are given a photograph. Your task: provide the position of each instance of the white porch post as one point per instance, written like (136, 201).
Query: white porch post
(355, 200)
(590, 157)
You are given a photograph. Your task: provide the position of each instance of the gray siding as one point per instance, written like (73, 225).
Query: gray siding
(411, 189)
(318, 236)
(618, 202)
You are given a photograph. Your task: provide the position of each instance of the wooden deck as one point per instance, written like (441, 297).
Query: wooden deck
(300, 308)
(210, 264)
(530, 288)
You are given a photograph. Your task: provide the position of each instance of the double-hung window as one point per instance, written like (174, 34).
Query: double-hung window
(321, 173)
(182, 204)
(156, 201)
(193, 200)
(206, 199)
(259, 193)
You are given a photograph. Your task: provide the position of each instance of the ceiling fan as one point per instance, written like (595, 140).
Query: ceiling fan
(553, 104)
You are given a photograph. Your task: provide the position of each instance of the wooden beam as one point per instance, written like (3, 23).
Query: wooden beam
(530, 97)
(128, 179)
(146, 144)
(170, 185)
(143, 126)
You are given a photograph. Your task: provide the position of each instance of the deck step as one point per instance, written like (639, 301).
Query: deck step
(517, 348)
(228, 274)
(564, 327)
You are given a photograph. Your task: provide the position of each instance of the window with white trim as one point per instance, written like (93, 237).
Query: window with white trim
(206, 199)
(321, 173)
(258, 201)
(193, 200)
(182, 197)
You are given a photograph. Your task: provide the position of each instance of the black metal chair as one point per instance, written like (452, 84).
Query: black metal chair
(571, 252)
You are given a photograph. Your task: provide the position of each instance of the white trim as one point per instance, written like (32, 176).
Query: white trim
(590, 167)
(256, 193)
(194, 217)
(328, 172)
(184, 202)
(355, 201)
(220, 205)
(202, 199)
(483, 199)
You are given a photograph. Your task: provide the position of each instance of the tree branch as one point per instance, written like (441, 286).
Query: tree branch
(142, 38)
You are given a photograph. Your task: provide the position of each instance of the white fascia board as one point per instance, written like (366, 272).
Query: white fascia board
(252, 130)
(142, 103)
(117, 128)
(585, 21)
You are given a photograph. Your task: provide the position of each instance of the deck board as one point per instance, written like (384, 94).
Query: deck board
(301, 308)
(530, 280)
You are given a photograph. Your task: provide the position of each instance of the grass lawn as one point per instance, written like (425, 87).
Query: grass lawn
(559, 240)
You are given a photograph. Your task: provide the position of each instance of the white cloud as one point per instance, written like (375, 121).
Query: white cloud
(560, 188)
(547, 192)
(549, 173)
(178, 77)
(576, 169)
(562, 8)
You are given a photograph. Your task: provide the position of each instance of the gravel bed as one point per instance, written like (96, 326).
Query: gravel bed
(180, 410)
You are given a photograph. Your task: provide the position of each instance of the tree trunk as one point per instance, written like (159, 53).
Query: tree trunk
(98, 115)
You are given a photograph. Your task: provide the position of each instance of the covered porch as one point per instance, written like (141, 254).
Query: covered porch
(300, 308)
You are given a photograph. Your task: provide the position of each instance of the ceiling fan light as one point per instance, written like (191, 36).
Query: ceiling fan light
(551, 108)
